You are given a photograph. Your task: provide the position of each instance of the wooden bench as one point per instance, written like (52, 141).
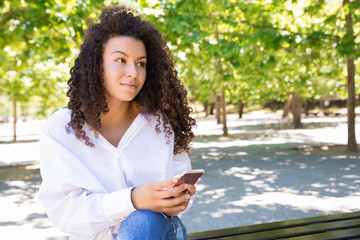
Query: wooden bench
(336, 226)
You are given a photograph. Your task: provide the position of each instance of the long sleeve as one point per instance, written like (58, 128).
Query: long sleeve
(65, 196)
(181, 163)
(86, 191)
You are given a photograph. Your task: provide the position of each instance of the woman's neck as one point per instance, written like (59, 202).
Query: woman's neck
(115, 123)
(117, 114)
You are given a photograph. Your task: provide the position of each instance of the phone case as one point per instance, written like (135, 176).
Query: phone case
(190, 176)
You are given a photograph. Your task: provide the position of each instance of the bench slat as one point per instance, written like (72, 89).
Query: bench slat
(292, 226)
(303, 231)
(353, 233)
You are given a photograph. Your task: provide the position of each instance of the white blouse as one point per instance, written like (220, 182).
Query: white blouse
(86, 190)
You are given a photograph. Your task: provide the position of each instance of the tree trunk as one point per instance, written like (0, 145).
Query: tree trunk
(217, 108)
(223, 97)
(296, 109)
(223, 107)
(306, 107)
(15, 117)
(212, 106)
(206, 107)
(350, 104)
(241, 108)
(286, 108)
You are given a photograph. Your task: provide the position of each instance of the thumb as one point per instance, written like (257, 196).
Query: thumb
(161, 185)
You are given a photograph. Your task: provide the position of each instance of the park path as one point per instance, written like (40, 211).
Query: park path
(262, 173)
(257, 174)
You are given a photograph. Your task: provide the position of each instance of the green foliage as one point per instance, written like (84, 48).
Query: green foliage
(259, 50)
(39, 39)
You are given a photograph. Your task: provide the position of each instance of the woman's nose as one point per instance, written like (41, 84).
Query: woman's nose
(131, 71)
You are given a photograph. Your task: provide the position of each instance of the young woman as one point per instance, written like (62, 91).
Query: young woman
(109, 159)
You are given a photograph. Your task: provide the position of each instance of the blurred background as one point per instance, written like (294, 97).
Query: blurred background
(243, 55)
(255, 70)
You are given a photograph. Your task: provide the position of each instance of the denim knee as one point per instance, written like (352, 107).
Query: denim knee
(144, 224)
(149, 220)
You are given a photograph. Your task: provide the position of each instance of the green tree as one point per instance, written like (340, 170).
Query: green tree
(201, 34)
(38, 39)
(277, 49)
(337, 23)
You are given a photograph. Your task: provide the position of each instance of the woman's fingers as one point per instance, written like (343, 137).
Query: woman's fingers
(174, 210)
(191, 190)
(174, 191)
(170, 202)
(163, 185)
(163, 196)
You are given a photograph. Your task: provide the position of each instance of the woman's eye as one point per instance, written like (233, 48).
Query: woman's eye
(121, 60)
(141, 64)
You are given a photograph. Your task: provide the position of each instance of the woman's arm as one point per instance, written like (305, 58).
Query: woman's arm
(65, 196)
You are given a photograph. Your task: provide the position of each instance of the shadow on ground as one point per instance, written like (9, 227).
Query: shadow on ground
(19, 208)
(245, 185)
(267, 171)
(264, 171)
(22, 181)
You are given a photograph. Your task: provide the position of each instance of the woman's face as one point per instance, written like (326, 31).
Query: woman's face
(124, 64)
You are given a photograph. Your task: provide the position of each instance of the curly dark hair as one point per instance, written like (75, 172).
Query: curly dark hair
(163, 93)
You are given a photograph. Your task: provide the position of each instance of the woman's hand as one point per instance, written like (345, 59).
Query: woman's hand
(163, 196)
(185, 188)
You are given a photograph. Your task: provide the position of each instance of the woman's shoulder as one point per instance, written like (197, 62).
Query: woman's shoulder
(59, 119)
(156, 121)
(152, 118)
(62, 114)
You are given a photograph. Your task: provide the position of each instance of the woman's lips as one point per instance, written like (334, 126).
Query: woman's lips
(128, 85)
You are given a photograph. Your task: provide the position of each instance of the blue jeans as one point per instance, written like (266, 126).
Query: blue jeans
(148, 225)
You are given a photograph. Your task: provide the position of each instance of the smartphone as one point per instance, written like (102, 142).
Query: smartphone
(190, 176)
